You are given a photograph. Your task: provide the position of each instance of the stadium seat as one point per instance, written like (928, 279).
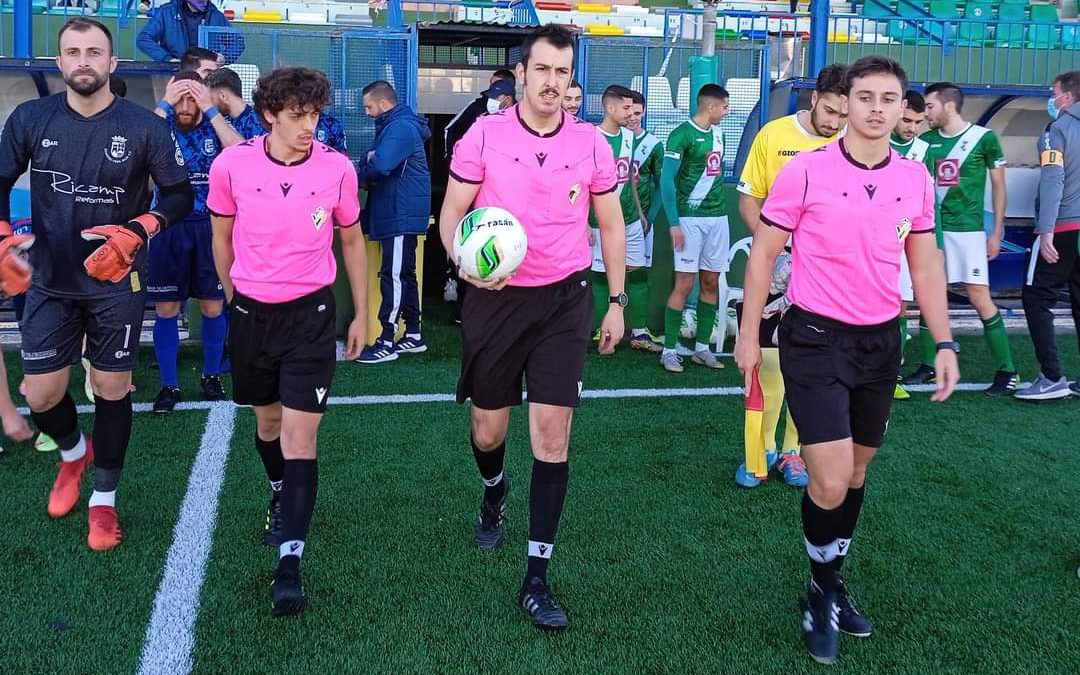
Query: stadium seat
(593, 8)
(308, 18)
(249, 77)
(553, 7)
(603, 29)
(734, 294)
(262, 16)
(1070, 36)
(973, 32)
(645, 31)
(744, 92)
(682, 93)
(1047, 35)
(944, 9)
(1010, 31)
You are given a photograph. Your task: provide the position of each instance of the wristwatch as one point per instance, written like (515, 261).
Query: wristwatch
(954, 346)
(621, 300)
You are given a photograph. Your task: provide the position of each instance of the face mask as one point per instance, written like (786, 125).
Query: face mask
(1052, 109)
(198, 5)
(493, 106)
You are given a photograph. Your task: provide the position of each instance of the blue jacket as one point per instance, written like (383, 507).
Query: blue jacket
(396, 176)
(165, 36)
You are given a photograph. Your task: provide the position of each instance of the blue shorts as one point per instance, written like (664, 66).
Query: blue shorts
(181, 263)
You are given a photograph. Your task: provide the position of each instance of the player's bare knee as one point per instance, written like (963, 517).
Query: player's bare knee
(710, 284)
(298, 445)
(166, 310)
(211, 309)
(487, 435)
(268, 422)
(551, 448)
(42, 396)
(829, 492)
(110, 386)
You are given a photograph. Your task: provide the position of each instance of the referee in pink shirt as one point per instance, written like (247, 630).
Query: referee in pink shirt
(546, 167)
(275, 201)
(839, 349)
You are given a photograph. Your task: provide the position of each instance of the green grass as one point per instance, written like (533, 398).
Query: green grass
(965, 555)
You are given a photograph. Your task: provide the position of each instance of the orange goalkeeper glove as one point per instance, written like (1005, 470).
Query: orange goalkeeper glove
(15, 271)
(112, 260)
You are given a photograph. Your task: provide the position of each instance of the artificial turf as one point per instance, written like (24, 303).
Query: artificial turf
(964, 558)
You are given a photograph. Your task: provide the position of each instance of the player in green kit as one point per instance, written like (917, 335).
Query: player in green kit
(959, 155)
(905, 140)
(618, 103)
(648, 161)
(692, 190)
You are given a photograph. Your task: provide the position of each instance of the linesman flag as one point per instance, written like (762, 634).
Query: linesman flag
(754, 436)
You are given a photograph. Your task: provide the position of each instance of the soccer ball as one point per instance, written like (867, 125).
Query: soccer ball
(688, 328)
(489, 243)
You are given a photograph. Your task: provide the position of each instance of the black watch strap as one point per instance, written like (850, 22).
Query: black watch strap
(953, 345)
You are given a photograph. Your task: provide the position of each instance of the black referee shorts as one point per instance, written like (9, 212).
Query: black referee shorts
(283, 351)
(541, 333)
(839, 378)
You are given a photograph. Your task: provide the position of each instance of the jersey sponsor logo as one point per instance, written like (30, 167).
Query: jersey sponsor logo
(714, 163)
(209, 147)
(121, 354)
(83, 194)
(318, 218)
(786, 153)
(948, 172)
(575, 192)
(622, 169)
(118, 151)
(49, 143)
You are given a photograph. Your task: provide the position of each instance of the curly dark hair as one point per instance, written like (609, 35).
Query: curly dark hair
(292, 87)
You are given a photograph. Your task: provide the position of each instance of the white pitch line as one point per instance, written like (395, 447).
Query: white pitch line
(385, 399)
(170, 635)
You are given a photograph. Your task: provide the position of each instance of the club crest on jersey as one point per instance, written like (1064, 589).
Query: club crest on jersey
(179, 156)
(622, 169)
(318, 219)
(948, 172)
(575, 191)
(903, 230)
(118, 152)
(321, 135)
(714, 163)
(209, 147)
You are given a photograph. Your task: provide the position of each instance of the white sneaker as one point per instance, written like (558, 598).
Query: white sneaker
(1044, 389)
(707, 359)
(671, 362)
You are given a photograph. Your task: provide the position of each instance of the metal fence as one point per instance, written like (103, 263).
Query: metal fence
(509, 12)
(351, 60)
(661, 72)
(980, 49)
(120, 16)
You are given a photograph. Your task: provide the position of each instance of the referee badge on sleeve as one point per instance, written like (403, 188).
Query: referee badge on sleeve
(903, 230)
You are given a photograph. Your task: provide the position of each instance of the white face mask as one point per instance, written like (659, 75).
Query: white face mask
(493, 106)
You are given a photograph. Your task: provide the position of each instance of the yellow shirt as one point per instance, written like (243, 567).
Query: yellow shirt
(773, 147)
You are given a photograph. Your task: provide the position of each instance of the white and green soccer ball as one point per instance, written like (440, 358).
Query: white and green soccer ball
(688, 329)
(489, 243)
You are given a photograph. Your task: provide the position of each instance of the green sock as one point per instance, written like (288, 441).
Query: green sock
(706, 319)
(600, 296)
(637, 289)
(998, 339)
(926, 343)
(672, 325)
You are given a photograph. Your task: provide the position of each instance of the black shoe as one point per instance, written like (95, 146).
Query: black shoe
(851, 622)
(1005, 383)
(211, 388)
(821, 624)
(166, 400)
(535, 597)
(489, 525)
(286, 590)
(924, 374)
(272, 527)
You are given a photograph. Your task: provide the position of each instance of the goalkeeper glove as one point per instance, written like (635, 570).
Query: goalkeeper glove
(15, 271)
(112, 260)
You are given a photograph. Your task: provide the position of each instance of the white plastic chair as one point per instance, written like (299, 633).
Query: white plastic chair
(249, 77)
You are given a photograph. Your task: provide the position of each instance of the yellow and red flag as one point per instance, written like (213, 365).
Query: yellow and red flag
(754, 436)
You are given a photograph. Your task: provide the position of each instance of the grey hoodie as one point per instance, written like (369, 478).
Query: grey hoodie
(1059, 175)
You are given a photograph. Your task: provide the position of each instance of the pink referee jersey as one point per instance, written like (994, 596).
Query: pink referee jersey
(285, 216)
(848, 224)
(544, 180)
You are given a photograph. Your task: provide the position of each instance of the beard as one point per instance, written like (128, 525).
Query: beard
(817, 127)
(83, 86)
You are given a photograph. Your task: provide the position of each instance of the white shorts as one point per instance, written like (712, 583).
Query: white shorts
(636, 247)
(907, 292)
(965, 258)
(707, 242)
